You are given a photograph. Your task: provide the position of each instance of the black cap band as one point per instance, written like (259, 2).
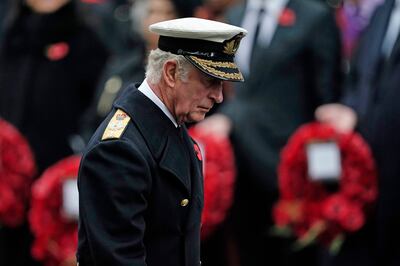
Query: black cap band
(212, 58)
(196, 47)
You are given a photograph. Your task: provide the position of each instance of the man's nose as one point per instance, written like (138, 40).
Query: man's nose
(217, 94)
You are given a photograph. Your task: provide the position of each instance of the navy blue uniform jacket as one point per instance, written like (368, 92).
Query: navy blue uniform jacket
(140, 195)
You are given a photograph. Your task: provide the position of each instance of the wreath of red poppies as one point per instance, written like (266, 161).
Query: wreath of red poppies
(219, 179)
(56, 236)
(307, 209)
(17, 168)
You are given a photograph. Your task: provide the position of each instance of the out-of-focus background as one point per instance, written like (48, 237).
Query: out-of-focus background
(64, 62)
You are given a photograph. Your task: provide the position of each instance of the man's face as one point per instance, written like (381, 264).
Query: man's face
(196, 96)
(158, 10)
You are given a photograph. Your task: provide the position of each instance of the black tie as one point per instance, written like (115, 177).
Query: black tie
(260, 18)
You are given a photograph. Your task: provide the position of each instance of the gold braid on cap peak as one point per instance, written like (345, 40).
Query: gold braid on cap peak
(208, 66)
(213, 63)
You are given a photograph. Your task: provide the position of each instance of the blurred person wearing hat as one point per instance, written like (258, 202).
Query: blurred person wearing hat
(140, 181)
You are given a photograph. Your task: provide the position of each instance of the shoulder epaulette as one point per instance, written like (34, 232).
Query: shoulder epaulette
(116, 126)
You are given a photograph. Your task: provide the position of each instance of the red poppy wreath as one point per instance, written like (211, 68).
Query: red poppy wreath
(219, 178)
(55, 233)
(307, 208)
(17, 168)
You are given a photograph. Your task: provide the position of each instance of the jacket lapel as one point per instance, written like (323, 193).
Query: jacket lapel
(283, 34)
(173, 160)
(160, 134)
(284, 31)
(197, 183)
(395, 56)
(373, 38)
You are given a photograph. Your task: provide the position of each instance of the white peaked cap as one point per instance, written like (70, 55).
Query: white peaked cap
(197, 28)
(209, 45)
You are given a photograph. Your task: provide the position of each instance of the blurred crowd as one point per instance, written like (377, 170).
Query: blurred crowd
(64, 62)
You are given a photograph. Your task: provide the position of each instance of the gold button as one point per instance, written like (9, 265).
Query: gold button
(184, 202)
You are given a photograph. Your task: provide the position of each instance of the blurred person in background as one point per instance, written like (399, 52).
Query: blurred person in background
(353, 17)
(216, 9)
(3, 12)
(291, 60)
(160, 10)
(50, 62)
(118, 29)
(128, 23)
(371, 106)
(50, 65)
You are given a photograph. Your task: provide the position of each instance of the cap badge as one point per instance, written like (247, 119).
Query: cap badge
(232, 45)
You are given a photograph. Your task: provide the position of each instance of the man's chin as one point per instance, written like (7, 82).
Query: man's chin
(199, 116)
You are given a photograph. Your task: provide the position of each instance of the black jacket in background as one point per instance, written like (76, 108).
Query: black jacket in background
(373, 91)
(298, 71)
(44, 93)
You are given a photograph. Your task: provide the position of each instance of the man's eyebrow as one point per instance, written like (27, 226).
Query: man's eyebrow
(211, 79)
(215, 80)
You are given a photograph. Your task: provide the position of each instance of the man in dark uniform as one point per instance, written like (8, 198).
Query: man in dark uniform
(140, 181)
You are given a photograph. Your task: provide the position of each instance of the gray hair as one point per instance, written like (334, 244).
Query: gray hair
(156, 61)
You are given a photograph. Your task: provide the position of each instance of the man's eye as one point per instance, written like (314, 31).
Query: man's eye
(211, 81)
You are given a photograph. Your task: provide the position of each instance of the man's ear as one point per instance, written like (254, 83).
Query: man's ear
(170, 72)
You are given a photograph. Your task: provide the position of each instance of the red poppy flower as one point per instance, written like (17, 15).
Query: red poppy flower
(57, 51)
(341, 211)
(197, 151)
(287, 17)
(17, 168)
(286, 212)
(219, 179)
(55, 235)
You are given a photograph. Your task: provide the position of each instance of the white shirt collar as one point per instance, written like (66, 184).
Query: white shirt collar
(273, 9)
(149, 93)
(271, 6)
